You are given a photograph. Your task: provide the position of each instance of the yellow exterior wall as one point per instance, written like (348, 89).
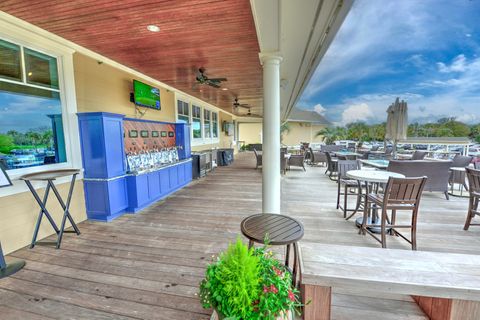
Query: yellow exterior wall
(19, 214)
(299, 132)
(100, 87)
(250, 132)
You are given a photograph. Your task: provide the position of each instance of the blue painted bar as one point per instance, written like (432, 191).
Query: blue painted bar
(109, 190)
(147, 188)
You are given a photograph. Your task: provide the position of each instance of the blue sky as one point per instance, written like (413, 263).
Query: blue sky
(426, 52)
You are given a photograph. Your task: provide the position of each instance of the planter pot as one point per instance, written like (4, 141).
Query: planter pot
(286, 316)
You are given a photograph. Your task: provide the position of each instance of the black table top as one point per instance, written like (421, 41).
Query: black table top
(281, 229)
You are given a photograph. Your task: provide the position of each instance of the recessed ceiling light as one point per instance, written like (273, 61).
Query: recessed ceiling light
(153, 28)
(224, 89)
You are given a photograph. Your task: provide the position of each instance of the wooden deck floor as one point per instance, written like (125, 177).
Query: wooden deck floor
(148, 265)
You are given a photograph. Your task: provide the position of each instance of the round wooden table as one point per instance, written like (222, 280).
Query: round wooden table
(280, 230)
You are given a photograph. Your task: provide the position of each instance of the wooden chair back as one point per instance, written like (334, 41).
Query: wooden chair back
(404, 191)
(473, 176)
(346, 165)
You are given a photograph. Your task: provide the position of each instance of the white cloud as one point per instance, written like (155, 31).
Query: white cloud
(357, 112)
(469, 118)
(459, 64)
(318, 108)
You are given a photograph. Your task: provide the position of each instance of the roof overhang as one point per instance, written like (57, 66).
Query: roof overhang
(301, 32)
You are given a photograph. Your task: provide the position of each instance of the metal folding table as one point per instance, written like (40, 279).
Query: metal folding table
(49, 177)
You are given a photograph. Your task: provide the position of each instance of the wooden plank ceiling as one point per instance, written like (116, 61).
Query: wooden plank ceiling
(218, 35)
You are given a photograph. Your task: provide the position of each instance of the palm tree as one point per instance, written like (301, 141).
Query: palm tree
(284, 128)
(331, 134)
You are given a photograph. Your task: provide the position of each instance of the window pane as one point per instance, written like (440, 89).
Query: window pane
(10, 62)
(196, 127)
(179, 108)
(182, 118)
(215, 129)
(31, 127)
(41, 69)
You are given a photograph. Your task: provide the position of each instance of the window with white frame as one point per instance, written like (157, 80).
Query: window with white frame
(183, 111)
(31, 126)
(207, 123)
(196, 122)
(214, 125)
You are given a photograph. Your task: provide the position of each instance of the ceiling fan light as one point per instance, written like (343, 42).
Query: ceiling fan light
(153, 28)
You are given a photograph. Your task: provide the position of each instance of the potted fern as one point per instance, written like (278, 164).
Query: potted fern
(248, 284)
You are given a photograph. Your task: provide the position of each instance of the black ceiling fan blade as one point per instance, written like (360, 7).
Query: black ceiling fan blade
(213, 84)
(217, 79)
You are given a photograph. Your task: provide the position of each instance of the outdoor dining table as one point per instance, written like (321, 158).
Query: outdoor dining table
(370, 178)
(279, 230)
(49, 177)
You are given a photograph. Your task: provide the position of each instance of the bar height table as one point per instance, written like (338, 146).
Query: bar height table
(49, 177)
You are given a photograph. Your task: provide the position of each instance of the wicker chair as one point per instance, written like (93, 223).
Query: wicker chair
(331, 166)
(477, 165)
(317, 157)
(436, 171)
(419, 155)
(297, 160)
(258, 157)
(283, 162)
(401, 194)
(473, 177)
(459, 176)
(350, 186)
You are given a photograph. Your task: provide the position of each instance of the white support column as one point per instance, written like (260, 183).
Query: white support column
(271, 133)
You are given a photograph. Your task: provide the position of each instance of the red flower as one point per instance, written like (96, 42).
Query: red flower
(265, 289)
(291, 296)
(273, 288)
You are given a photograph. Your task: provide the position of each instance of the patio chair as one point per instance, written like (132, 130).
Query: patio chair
(317, 157)
(283, 162)
(331, 166)
(437, 172)
(258, 157)
(401, 194)
(419, 155)
(374, 148)
(477, 165)
(297, 160)
(350, 186)
(459, 176)
(474, 183)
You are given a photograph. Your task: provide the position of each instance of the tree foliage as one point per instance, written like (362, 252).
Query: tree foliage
(360, 131)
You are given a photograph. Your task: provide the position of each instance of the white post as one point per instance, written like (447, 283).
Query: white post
(271, 133)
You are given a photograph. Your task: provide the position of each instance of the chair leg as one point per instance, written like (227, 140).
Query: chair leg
(446, 195)
(394, 217)
(345, 201)
(470, 213)
(338, 195)
(413, 238)
(383, 229)
(365, 218)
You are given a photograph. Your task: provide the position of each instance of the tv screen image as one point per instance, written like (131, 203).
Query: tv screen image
(145, 95)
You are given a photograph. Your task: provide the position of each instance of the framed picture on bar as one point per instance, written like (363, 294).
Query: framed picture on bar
(155, 134)
(164, 134)
(4, 178)
(171, 134)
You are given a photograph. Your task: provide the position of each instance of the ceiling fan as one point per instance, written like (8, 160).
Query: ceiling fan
(236, 104)
(203, 79)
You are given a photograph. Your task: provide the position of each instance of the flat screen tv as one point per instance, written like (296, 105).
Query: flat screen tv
(145, 95)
